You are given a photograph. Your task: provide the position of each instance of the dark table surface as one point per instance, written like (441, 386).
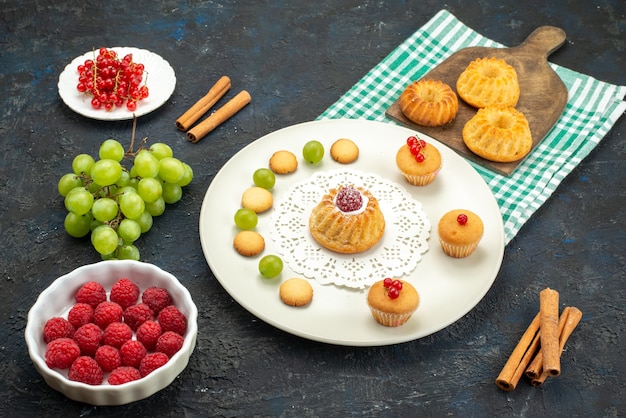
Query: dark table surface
(296, 59)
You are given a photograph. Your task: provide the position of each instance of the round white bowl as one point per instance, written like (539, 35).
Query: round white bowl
(57, 300)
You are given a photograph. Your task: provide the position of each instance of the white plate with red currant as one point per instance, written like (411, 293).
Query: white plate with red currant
(338, 313)
(116, 83)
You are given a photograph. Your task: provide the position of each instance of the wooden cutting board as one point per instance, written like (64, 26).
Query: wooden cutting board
(543, 94)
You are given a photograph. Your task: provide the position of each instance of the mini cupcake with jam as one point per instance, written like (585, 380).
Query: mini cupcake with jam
(392, 301)
(460, 231)
(418, 161)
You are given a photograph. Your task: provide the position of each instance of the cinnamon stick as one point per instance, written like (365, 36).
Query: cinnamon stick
(222, 114)
(196, 111)
(520, 357)
(570, 323)
(535, 369)
(549, 312)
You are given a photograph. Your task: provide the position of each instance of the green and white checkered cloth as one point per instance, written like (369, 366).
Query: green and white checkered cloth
(593, 108)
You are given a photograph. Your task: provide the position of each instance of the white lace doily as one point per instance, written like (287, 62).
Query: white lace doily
(407, 230)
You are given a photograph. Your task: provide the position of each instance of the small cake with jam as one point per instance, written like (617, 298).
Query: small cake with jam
(392, 301)
(347, 220)
(419, 161)
(460, 231)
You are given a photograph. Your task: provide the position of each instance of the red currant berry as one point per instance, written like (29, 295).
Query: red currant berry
(131, 105)
(422, 143)
(397, 284)
(419, 157)
(462, 219)
(393, 293)
(387, 282)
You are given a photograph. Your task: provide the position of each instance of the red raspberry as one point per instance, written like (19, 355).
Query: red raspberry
(108, 357)
(132, 352)
(80, 314)
(123, 374)
(91, 293)
(148, 333)
(156, 298)
(171, 319)
(124, 292)
(88, 338)
(116, 334)
(107, 313)
(169, 343)
(151, 362)
(136, 315)
(348, 199)
(61, 353)
(85, 369)
(57, 327)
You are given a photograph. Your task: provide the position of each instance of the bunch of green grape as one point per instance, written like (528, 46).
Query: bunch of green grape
(115, 197)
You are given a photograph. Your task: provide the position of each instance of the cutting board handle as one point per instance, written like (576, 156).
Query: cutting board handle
(544, 40)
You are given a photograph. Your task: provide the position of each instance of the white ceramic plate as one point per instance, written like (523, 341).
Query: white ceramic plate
(161, 82)
(449, 288)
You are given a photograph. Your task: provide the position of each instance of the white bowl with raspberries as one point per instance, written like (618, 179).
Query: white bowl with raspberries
(112, 332)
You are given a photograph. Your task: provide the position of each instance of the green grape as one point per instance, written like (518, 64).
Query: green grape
(68, 182)
(161, 150)
(134, 182)
(94, 187)
(313, 152)
(104, 239)
(94, 224)
(124, 179)
(106, 172)
(187, 176)
(79, 201)
(128, 252)
(126, 190)
(172, 193)
(133, 172)
(145, 222)
(270, 266)
(82, 163)
(132, 205)
(108, 191)
(109, 256)
(171, 169)
(265, 178)
(146, 164)
(77, 226)
(149, 189)
(246, 219)
(156, 208)
(111, 149)
(129, 231)
(104, 209)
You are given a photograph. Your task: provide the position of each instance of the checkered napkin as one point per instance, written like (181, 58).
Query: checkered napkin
(593, 108)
